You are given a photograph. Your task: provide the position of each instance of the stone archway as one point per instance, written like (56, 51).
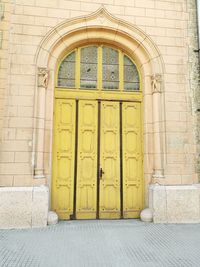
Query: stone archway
(100, 26)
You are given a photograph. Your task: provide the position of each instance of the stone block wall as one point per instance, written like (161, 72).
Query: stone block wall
(24, 26)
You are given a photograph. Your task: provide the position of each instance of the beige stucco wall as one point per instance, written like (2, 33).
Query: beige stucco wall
(27, 22)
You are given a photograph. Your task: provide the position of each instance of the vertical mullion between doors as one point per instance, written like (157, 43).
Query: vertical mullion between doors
(75, 160)
(98, 157)
(121, 160)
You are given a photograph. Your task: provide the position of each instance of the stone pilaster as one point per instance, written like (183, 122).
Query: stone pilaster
(43, 77)
(156, 81)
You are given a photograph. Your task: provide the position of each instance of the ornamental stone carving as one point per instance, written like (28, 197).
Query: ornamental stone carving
(156, 81)
(43, 77)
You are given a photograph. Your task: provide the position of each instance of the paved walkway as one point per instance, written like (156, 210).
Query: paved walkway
(117, 243)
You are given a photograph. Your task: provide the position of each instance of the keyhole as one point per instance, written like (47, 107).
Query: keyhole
(88, 70)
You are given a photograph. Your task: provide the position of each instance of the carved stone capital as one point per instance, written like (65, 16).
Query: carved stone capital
(43, 77)
(156, 81)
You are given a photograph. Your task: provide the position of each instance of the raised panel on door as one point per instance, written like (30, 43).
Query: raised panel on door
(63, 158)
(86, 194)
(109, 206)
(132, 159)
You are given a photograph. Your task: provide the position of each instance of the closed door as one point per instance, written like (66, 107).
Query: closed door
(97, 171)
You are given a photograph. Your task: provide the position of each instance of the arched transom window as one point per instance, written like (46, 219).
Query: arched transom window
(98, 68)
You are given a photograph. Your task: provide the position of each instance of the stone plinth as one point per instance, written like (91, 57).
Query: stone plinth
(175, 204)
(23, 207)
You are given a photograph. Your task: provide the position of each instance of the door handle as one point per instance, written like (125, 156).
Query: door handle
(101, 172)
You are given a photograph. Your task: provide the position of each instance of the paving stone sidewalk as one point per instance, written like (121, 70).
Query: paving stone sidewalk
(117, 243)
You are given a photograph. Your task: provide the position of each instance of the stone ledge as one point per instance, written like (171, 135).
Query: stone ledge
(23, 207)
(175, 204)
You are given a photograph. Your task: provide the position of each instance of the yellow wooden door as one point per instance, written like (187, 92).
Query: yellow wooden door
(97, 160)
(86, 192)
(63, 158)
(109, 195)
(132, 160)
(97, 151)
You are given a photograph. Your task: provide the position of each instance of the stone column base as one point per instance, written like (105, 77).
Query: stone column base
(23, 207)
(175, 204)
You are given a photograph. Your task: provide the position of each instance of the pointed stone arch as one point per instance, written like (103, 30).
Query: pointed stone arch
(98, 25)
(102, 27)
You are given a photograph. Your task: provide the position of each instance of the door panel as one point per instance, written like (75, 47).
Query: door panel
(63, 158)
(132, 159)
(111, 195)
(109, 206)
(87, 160)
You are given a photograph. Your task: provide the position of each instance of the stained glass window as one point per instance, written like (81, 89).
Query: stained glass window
(110, 68)
(89, 67)
(131, 76)
(85, 70)
(66, 73)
